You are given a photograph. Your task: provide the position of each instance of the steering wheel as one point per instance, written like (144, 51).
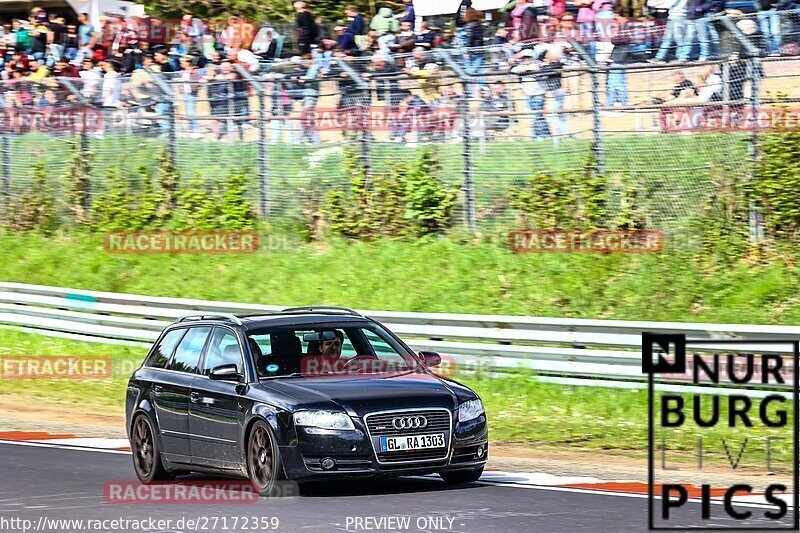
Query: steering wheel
(357, 359)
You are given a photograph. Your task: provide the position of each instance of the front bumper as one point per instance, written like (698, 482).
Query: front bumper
(354, 454)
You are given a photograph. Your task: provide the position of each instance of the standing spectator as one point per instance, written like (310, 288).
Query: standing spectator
(530, 80)
(356, 25)
(112, 85)
(585, 20)
(769, 21)
(386, 27)
(23, 39)
(71, 42)
(673, 31)
(700, 28)
(57, 36)
(408, 15)
(307, 29)
(191, 32)
(524, 21)
(551, 78)
(87, 37)
(473, 55)
(190, 88)
(92, 76)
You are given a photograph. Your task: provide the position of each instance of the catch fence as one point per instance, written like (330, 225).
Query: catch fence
(492, 119)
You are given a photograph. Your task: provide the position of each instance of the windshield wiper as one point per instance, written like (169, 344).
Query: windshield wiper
(292, 375)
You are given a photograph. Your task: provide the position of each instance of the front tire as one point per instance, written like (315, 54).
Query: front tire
(459, 477)
(146, 455)
(263, 459)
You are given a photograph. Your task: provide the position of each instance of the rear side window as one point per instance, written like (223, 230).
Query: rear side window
(187, 355)
(160, 356)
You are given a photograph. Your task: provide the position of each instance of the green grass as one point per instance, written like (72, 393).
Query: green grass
(521, 410)
(438, 275)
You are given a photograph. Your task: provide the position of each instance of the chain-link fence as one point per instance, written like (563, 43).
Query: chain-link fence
(493, 118)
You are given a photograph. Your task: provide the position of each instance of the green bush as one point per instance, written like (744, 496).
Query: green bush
(408, 202)
(776, 183)
(35, 209)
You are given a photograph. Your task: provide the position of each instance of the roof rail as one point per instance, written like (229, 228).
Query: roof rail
(229, 316)
(312, 308)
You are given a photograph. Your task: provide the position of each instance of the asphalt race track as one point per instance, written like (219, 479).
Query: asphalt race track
(58, 483)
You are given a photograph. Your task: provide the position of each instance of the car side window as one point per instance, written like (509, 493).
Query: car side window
(161, 353)
(187, 355)
(223, 350)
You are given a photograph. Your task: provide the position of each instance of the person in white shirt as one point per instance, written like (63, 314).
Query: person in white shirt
(674, 30)
(112, 85)
(531, 80)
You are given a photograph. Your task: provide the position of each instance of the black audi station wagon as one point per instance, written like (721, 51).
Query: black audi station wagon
(304, 394)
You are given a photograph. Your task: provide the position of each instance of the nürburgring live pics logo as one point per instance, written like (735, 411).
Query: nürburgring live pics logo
(750, 398)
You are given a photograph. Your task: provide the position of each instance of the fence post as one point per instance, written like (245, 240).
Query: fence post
(166, 96)
(263, 149)
(470, 216)
(597, 126)
(83, 140)
(753, 73)
(365, 101)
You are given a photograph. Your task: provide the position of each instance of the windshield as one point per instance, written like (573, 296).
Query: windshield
(328, 350)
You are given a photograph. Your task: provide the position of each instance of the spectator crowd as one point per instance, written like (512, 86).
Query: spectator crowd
(117, 65)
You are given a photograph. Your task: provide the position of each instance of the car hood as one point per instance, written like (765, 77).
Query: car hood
(363, 394)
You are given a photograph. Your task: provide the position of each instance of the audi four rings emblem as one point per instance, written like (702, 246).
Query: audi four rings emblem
(409, 422)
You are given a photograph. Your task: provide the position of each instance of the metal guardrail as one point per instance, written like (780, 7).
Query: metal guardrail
(561, 350)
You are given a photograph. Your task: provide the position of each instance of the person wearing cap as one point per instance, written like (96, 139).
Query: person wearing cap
(345, 40)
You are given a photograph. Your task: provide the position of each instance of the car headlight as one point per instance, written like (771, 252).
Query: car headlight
(323, 419)
(470, 410)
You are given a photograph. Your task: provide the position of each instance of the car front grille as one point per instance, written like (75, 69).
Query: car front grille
(438, 421)
(380, 425)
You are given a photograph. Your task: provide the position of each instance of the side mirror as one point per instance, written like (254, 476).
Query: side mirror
(430, 358)
(225, 373)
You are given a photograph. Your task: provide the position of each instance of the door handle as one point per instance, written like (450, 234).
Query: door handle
(194, 397)
(158, 388)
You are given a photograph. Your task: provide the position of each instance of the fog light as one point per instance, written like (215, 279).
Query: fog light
(327, 463)
(480, 452)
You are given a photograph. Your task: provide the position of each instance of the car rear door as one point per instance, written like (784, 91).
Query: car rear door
(171, 394)
(216, 408)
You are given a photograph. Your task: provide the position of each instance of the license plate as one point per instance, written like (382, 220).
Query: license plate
(412, 442)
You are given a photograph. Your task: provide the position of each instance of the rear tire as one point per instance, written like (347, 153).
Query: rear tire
(263, 459)
(459, 477)
(146, 454)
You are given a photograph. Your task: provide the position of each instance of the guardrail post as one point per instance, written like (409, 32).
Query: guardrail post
(470, 217)
(263, 148)
(598, 151)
